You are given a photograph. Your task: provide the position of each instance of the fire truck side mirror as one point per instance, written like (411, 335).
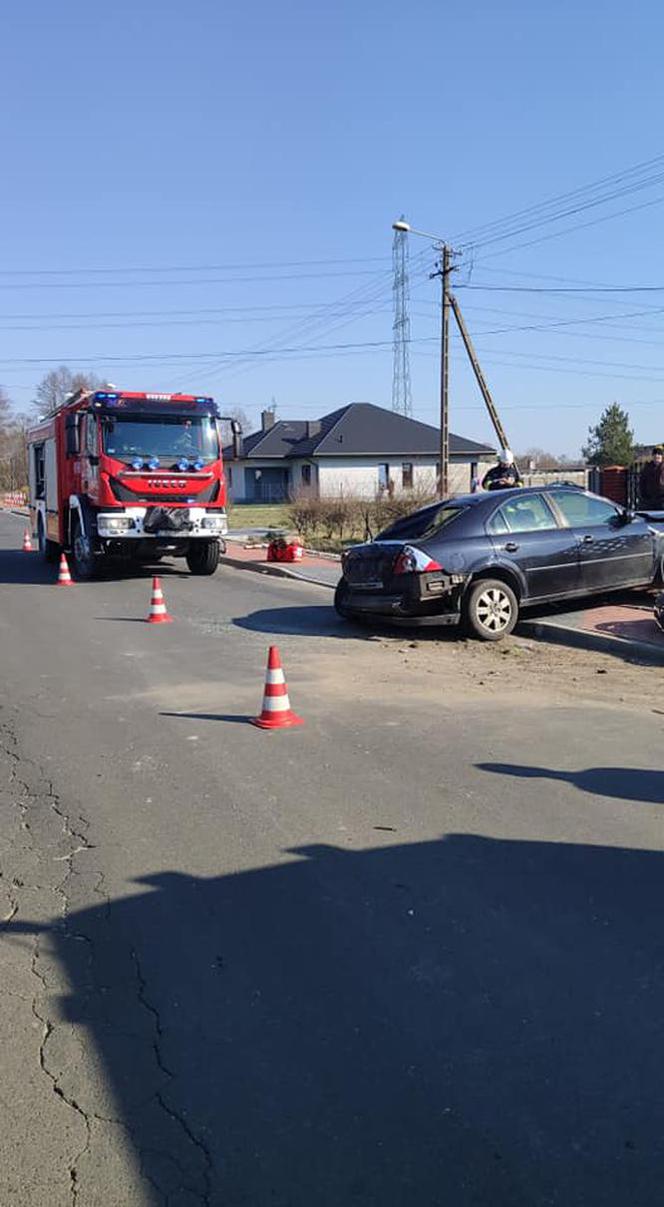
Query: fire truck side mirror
(236, 429)
(72, 440)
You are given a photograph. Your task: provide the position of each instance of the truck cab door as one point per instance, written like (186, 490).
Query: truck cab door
(90, 458)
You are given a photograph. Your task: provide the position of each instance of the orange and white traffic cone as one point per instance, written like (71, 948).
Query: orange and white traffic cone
(64, 577)
(158, 613)
(277, 712)
(27, 542)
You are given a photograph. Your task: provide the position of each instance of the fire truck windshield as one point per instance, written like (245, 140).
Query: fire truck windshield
(164, 436)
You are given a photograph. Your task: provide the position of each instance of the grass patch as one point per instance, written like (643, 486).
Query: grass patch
(258, 515)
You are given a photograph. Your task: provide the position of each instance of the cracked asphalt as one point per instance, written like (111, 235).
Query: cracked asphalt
(409, 953)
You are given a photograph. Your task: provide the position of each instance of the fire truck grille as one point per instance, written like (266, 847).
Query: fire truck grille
(124, 495)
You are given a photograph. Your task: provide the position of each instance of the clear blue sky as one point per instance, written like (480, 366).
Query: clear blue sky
(194, 137)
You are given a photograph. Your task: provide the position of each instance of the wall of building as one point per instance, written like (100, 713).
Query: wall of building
(543, 477)
(360, 476)
(236, 478)
(357, 477)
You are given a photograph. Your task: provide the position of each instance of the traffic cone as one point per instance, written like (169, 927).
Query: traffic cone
(27, 542)
(277, 712)
(158, 613)
(64, 577)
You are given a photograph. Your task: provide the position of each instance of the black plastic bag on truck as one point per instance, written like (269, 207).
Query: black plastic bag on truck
(166, 519)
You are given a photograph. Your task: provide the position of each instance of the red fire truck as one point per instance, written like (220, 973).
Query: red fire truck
(118, 474)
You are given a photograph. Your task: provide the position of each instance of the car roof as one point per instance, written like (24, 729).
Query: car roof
(481, 496)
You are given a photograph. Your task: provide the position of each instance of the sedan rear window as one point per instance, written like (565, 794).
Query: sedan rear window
(421, 524)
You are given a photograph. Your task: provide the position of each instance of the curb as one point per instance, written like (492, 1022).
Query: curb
(600, 643)
(278, 571)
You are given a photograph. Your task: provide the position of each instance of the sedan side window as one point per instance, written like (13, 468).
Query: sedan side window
(527, 514)
(497, 525)
(581, 510)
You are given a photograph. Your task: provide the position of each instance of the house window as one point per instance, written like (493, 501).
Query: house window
(407, 475)
(306, 475)
(383, 476)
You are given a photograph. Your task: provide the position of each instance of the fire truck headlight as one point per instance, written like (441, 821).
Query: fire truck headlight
(120, 523)
(212, 522)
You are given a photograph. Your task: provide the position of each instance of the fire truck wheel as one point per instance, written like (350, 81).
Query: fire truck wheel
(203, 557)
(83, 559)
(48, 549)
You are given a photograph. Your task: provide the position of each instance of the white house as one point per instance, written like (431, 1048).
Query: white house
(358, 450)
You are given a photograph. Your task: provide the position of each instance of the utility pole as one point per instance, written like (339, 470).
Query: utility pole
(449, 302)
(401, 393)
(445, 269)
(479, 376)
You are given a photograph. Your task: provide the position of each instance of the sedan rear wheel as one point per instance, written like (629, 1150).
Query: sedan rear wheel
(491, 609)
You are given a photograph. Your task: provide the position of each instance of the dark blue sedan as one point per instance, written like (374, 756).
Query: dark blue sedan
(479, 559)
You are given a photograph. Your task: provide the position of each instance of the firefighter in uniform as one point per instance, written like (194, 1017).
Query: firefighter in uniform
(504, 474)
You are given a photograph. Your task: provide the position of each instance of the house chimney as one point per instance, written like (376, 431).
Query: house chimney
(267, 420)
(313, 428)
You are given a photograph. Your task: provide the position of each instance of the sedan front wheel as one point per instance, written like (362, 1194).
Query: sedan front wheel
(491, 609)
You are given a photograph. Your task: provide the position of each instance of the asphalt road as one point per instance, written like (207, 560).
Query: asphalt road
(409, 953)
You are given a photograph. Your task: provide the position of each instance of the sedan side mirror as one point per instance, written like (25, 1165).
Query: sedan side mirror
(627, 516)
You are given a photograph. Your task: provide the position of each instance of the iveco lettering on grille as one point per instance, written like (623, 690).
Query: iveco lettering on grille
(174, 483)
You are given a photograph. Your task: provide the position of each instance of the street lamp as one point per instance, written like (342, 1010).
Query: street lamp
(445, 269)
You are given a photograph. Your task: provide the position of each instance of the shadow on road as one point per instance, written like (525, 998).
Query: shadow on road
(625, 783)
(243, 718)
(643, 629)
(464, 1022)
(322, 621)
(311, 621)
(19, 567)
(30, 568)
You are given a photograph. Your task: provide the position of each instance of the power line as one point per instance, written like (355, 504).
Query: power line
(567, 213)
(162, 322)
(116, 314)
(304, 276)
(547, 207)
(565, 289)
(569, 229)
(250, 264)
(365, 295)
(100, 358)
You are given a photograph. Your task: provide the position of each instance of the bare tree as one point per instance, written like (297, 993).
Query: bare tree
(242, 418)
(13, 446)
(5, 408)
(539, 458)
(58, 383)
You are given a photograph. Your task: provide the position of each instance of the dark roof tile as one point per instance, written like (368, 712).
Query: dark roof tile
(359, 429)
